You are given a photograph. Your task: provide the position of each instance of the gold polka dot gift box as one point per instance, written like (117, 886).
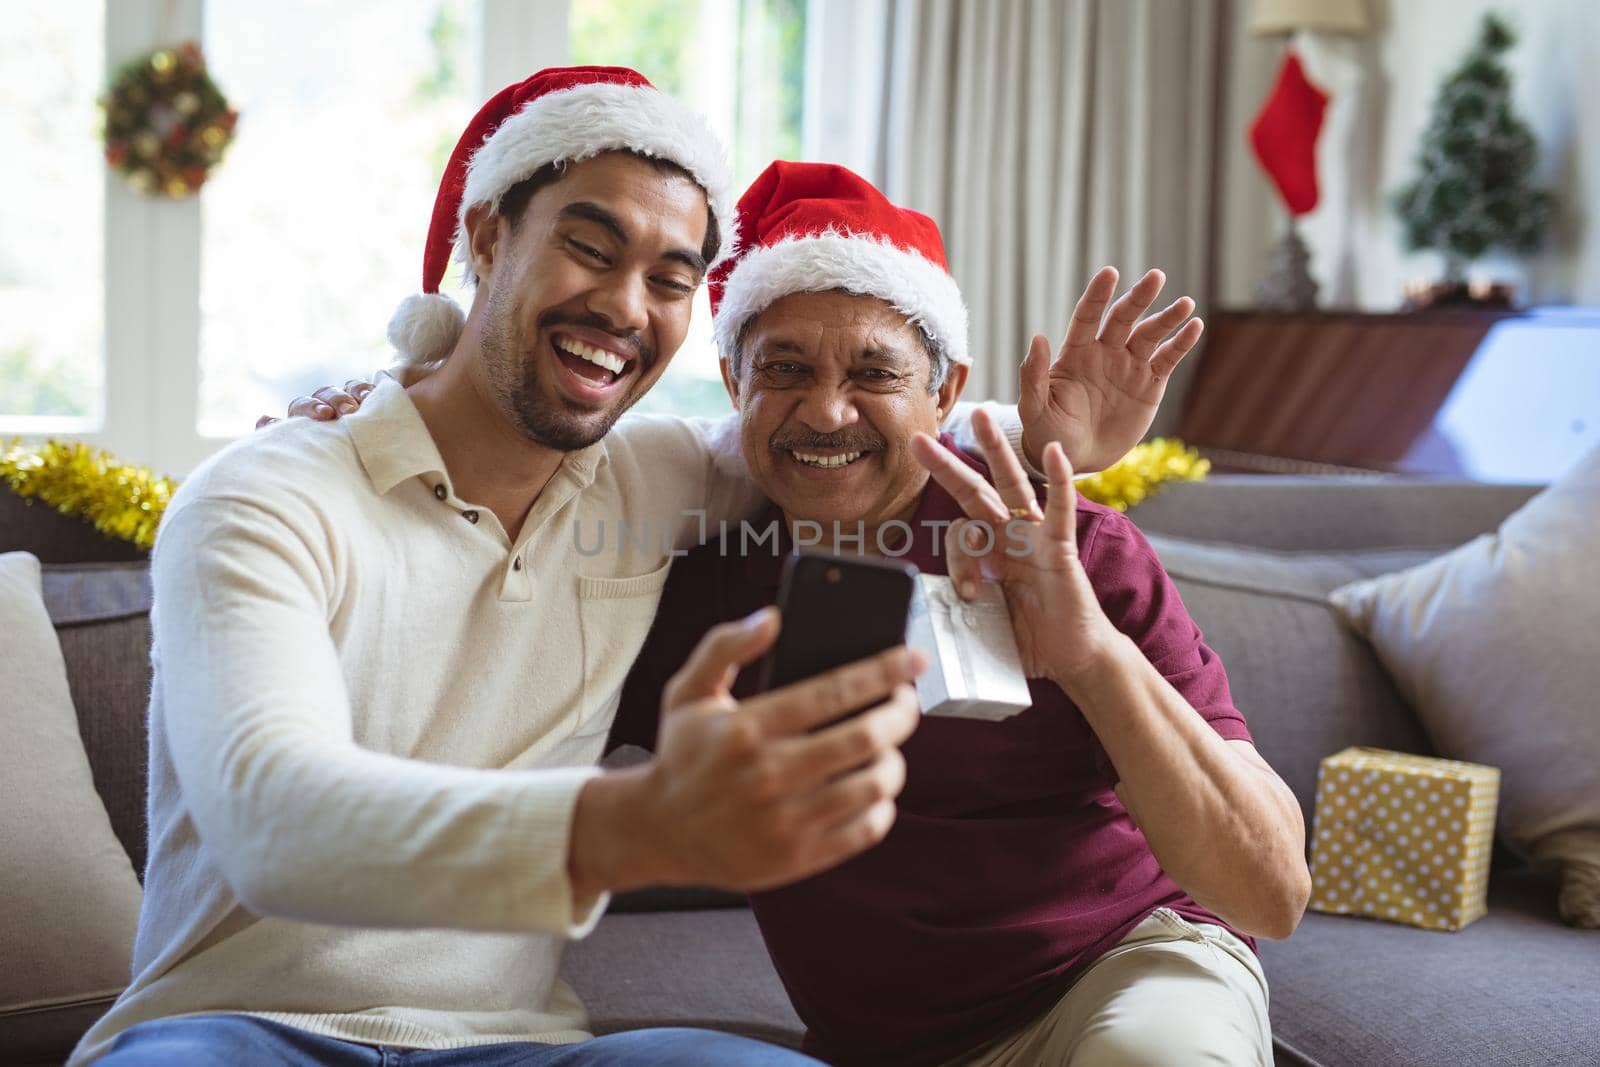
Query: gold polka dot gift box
(1404, 838)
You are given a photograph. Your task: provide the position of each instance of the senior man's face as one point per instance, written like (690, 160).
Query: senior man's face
(832, 388)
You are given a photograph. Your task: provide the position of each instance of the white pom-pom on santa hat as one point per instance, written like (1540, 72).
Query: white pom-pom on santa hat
(425, 328)
(563, 114)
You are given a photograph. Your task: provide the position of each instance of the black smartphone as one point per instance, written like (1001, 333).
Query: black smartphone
(836, 610)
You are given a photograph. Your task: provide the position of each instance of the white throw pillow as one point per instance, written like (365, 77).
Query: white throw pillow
(69, 898)
(1496, 645)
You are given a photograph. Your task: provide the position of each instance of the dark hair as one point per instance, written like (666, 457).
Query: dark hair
(515, 201)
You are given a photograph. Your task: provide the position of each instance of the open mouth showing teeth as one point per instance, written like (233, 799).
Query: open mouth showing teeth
(811, 459)
(593, 363)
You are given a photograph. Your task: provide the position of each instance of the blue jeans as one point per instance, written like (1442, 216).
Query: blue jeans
(245, 1041)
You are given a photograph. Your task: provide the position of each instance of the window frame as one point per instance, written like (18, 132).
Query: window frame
(149, 409)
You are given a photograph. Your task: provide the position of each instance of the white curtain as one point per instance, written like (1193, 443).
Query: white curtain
(1046, 137)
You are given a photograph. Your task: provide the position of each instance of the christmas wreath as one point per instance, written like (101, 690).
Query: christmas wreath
(167, 123)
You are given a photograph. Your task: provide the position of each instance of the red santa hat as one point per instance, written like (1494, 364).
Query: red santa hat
(559, 115)
(813, 227)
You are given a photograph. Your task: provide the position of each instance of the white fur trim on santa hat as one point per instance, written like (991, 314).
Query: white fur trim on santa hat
(915, 286)
(425, 327)
(575, 124)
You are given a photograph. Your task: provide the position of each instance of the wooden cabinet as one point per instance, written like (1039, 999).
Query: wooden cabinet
(1310, 391)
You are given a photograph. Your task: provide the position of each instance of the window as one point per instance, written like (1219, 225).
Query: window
(309, 242)
(742, 64)
(52, 192)
(162, 329)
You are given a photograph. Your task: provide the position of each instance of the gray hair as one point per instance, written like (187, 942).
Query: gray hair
(938, 356)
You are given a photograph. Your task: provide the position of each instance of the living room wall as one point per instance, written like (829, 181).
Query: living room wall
(1383, 86)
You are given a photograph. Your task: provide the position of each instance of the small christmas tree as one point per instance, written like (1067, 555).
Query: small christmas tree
(1475, 190)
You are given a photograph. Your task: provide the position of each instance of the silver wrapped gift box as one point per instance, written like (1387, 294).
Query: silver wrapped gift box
(975, 670)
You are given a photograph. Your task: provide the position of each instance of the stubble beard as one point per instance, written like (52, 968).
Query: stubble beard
(514, 382)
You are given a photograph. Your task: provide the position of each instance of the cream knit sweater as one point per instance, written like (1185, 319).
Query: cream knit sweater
(371, 717)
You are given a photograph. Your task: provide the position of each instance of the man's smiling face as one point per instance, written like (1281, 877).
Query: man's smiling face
(585, 299)
(831, 388)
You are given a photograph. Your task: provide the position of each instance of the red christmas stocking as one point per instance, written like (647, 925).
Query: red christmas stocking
(1284, 135)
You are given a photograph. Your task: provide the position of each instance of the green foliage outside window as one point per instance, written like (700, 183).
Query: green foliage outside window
(29, 386)
(787, 23)
(762, 67)
(657, 38)
(446, 78)
(651, 36)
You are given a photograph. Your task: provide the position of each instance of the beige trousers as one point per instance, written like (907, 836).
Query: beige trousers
(1171, 992)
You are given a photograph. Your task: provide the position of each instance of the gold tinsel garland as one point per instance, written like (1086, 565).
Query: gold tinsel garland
(87, 483)
(1136, 475)
(127, 502)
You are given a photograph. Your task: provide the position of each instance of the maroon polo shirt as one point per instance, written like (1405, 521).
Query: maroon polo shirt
(1012, 865)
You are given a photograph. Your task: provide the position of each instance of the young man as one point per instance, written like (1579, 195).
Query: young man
(1077, 883)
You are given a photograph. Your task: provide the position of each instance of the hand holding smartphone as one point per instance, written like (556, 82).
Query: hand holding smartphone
(837, 610)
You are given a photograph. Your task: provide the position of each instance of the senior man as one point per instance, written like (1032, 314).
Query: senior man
(1079, 883)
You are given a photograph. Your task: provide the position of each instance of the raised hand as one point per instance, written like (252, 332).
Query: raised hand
(755, 794)
(1099, 396)
(1058, 620)
(326, 404)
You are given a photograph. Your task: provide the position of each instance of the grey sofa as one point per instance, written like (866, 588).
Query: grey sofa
(1253, 558)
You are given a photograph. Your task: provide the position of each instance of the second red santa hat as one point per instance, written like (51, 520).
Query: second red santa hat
(815, 227)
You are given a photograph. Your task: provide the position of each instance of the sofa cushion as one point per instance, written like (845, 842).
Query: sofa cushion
(77, 593)
(1494, 646)
(1514, 988)
(682, 968)
(69, 899)
(1328, 514)
(101, 614)
(1516, 974)
(1308, 686)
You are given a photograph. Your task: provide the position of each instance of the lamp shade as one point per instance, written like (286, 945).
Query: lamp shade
(1286, 16)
